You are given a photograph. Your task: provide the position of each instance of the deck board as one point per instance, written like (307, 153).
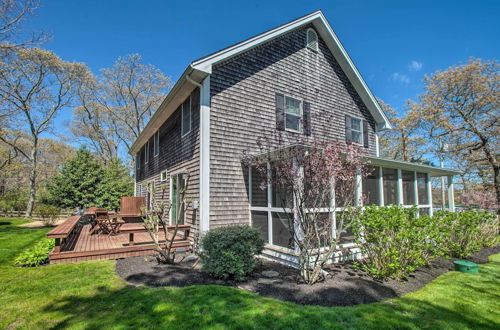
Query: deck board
(83, 246)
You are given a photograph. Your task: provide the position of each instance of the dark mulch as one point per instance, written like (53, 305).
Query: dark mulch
(343, 286)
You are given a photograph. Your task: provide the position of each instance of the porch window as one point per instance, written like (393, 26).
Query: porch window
(370, 187)
(258, 195)
(390, 186)
(408, 188)
(177, 185)
(422, 188)
(260, 222)
(186, 117)
(293, 114)
(281, 230)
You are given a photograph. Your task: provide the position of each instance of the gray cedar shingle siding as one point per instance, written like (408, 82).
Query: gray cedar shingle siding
(176, 153)
(243, 110)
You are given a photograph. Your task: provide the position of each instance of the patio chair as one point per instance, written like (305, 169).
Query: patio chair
(106, 226)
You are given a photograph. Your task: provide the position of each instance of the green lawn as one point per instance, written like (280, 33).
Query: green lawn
(90, 295)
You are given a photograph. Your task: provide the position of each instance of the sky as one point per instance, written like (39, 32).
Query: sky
(392, 43)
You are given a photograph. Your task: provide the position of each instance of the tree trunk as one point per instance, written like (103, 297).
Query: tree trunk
(34, 165)
(496, 184)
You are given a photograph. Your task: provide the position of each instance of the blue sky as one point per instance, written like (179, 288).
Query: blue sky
(393, 43)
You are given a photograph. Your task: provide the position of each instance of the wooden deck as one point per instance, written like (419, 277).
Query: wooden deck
(82, 246)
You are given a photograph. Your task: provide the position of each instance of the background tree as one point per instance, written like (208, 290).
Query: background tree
(461, 106)
(405, 141)
(76, 184)
(36, 84)
(116, 182)
(114, 108)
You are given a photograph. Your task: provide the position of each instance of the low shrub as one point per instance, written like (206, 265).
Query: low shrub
(466, 232)
(395, 241)
(48, 213)
(36, 255)
(229, 252)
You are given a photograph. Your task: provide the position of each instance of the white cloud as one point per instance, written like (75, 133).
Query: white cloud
(396, 76)
(415, 66)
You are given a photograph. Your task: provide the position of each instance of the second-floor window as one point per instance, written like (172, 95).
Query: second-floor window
(293, 114)
(146, 155)
(156, 144)
(356, 130)
(186, 117)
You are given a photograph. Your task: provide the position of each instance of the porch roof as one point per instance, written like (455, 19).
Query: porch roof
(392, 163)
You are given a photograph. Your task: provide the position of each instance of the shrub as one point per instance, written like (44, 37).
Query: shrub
(229, 252)
(13, 201)
(394, 241)
(36, 255)
(466, 232)
(48, 213)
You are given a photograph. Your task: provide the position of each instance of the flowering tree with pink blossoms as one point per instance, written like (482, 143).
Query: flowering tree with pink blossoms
(316, 185)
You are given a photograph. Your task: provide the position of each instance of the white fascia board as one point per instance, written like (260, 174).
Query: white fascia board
(328, 35)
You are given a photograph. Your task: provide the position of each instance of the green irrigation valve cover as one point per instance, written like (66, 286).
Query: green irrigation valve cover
(465, 266)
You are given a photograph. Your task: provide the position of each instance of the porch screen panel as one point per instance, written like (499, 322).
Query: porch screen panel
(422, 188)
(259, 222)
(370, 187)
(281, 230)
(390, 186)
(282, 195)
(346, 233)
(259, 196)
(408, 188)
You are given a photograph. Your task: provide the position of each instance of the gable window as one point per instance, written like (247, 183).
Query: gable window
(156, 144)
(356, 132)
(293, 114)
(186, 117)
(312, 39)
(146, 153)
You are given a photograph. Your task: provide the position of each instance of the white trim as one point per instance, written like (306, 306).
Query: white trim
(205, 156)
(415, 187)
(190, 117)
(399, 189)
(380, 185)
(323, 29)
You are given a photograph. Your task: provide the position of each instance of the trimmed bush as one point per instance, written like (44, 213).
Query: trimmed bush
(395, 241)
(36, 255)
(229, 252)
(466, 232)
(48, 213)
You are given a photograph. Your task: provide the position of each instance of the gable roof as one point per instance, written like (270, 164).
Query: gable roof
(201, 68)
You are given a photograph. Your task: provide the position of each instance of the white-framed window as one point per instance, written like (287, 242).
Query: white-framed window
(146, 153)
(354, 129)
(138, 160)
(163, 176)
(149, 194)
(186, 117)
(293, 114)
(156, 143)
(312, 39)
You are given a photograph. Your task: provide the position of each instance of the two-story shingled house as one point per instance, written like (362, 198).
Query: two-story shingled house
(284, 79)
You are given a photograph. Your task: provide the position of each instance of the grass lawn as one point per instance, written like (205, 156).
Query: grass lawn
(90, 295)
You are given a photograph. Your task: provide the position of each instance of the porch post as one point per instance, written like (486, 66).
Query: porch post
(400, 187)
(451, 196)
(429, 194)
(269, 204)
(333, 207)
(359, 189)
(205, 156)
(380, 186)
(415, 187)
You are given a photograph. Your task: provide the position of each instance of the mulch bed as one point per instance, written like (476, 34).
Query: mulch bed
(344, 286)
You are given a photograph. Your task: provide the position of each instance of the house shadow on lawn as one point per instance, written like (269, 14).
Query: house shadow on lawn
(209, 306)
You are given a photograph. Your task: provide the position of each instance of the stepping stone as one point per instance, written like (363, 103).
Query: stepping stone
(270, 273)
